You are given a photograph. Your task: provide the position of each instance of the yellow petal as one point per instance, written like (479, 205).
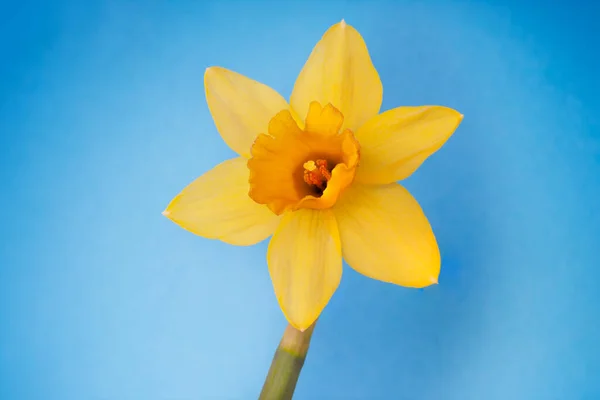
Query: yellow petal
(305, 263)
(217, 206)
(386, 236)
(240, 107)
(395, 143)
(339, 71)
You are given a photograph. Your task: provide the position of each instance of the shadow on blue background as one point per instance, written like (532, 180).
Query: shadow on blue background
(103, 120)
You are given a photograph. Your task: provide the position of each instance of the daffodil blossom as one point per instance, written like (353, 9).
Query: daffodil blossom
(319, 174)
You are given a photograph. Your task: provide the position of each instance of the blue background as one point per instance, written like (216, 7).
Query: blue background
(103, 120)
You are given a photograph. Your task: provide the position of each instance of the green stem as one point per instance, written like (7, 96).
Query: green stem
(287, 364)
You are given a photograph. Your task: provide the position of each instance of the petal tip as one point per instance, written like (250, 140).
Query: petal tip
(343, 23)
(295, 324)
(209, 74)
(211, 71)
(166, 213)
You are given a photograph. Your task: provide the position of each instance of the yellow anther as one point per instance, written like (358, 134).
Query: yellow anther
(310, 165)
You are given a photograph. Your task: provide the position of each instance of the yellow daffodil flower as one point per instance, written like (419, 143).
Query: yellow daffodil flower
(319, 174)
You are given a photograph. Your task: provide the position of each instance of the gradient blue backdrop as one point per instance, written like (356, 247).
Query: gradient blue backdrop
(103, 120)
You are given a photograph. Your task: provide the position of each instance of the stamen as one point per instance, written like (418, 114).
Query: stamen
(317, 173)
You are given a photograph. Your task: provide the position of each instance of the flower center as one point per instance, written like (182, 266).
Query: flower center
(293, 168)
(317, 174)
